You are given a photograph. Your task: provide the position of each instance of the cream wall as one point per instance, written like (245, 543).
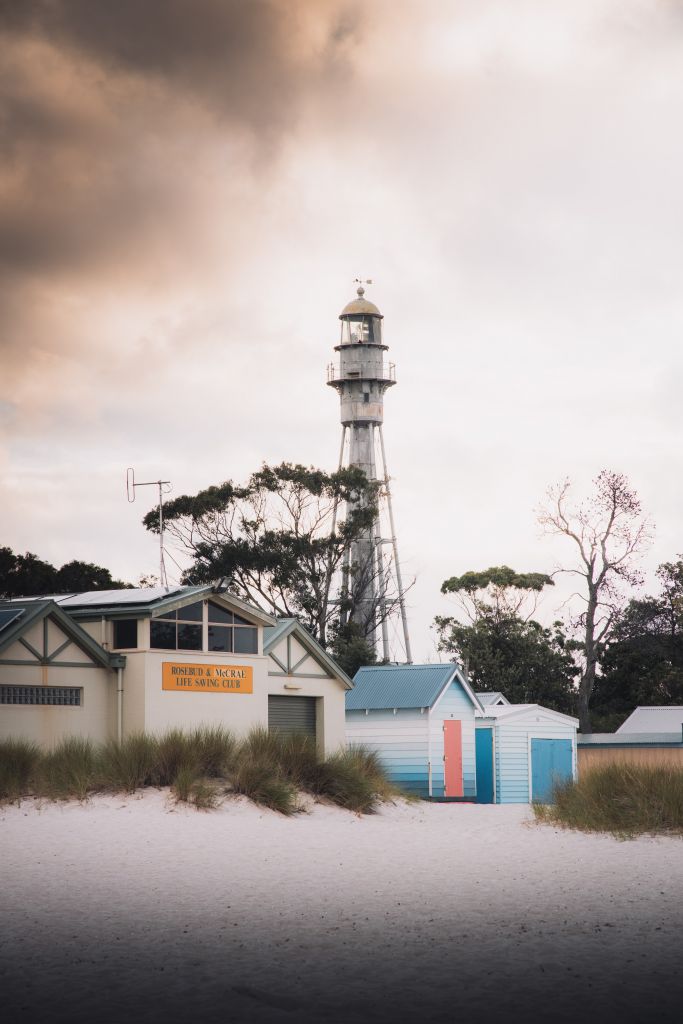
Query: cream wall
(311, 679)
(48, 725)
(147, 706)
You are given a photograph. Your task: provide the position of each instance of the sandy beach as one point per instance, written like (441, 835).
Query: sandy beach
(135, 908)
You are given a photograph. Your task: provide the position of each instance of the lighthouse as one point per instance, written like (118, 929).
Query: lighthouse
(362, 376)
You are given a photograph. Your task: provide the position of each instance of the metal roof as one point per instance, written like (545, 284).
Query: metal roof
(492, 698)
(631, 739)
(38, 610)
(360, 306)
(654, 719)
(379, 687)
(506, 711)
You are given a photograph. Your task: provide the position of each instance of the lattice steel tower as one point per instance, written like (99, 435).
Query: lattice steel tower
(361, 378)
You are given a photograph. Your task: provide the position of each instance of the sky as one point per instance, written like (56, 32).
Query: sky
(188, 190)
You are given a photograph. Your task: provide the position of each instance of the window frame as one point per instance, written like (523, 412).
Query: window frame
(229, 619)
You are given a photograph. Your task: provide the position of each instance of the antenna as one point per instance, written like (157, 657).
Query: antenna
(164, 488)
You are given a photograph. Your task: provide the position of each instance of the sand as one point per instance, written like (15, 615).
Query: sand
(133, 908)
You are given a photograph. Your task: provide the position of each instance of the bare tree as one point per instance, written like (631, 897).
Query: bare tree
(610, 533)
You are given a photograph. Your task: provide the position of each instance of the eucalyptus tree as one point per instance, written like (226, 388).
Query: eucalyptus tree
(501, 644)
(282, 541)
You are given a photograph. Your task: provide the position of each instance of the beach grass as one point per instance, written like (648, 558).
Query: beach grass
(18, 762)
(68, 771)
(268, 767)
(129, 765)
(624, 800)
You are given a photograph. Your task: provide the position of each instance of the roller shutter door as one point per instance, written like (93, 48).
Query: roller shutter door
(292, 715)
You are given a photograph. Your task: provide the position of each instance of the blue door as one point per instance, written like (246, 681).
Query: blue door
(484, 752)
(551, 762)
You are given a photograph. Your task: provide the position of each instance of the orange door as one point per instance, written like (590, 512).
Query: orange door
(452, 758)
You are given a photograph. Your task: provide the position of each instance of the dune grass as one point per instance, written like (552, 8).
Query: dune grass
(67, 771)
(18, 762)
(624, 800)
(199, 766)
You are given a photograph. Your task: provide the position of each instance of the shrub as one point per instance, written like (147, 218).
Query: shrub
(174, 754)
(184, 780)
(130, 764)
(343, 780)
(203, 795)
(18, 761)
(67, 771)
(259, 779)
(215, 749)
(298, 760)
(625, 800)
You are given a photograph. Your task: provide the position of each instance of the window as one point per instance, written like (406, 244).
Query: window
(125, 634)
(44, 696)
(179, 630)
(230, 632)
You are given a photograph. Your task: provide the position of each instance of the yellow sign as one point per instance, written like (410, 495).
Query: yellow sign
(207, 678)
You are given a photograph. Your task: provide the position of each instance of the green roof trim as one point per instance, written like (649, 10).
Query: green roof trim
(36, 611)
(292, 627)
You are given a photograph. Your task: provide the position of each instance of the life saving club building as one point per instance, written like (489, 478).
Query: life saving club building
(106, 664)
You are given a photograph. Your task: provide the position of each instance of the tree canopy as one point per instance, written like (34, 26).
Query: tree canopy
(280, 540)
(29, 576)
(503, 650)
(643, 661)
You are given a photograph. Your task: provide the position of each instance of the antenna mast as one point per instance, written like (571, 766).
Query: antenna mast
(130, 493)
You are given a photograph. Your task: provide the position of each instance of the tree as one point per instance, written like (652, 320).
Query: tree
(502, 649)
(642, 663)
(610, 535)
(280, 540)
(350, 649)
(498, 592)
(29, 576)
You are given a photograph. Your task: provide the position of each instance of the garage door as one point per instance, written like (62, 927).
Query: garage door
(551, 762)
(292, 715)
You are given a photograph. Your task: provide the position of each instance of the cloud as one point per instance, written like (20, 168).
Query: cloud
(131, 135)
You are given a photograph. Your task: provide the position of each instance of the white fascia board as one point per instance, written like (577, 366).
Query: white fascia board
(503, 714)
(457, 674)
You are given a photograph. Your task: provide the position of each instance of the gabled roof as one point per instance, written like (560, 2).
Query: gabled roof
(507, 711)
(35, 611)
(654, 719)
(272, 635)
(145, 601)
(384, 687)
(492, 698)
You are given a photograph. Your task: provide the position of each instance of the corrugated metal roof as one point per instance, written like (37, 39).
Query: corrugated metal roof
(630, 739)
(379, 687)
(492, 698)
(654, 719)
(504, 711)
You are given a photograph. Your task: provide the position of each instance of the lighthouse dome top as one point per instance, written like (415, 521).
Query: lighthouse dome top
(360, 306)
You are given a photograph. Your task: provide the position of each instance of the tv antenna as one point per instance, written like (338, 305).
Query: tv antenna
(164, 488)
